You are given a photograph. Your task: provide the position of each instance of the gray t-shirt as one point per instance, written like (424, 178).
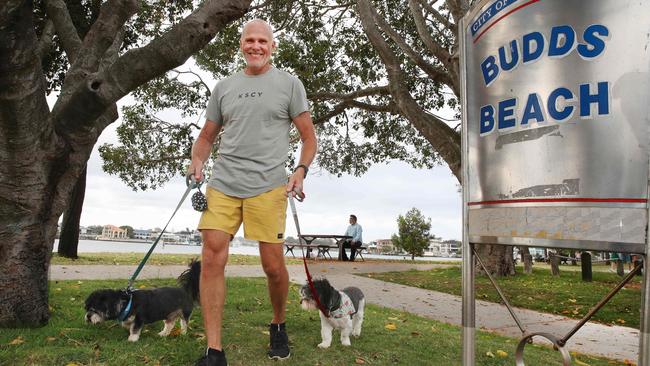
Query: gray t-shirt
(255, 112)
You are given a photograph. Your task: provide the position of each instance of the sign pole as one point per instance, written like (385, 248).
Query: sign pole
(469, 303)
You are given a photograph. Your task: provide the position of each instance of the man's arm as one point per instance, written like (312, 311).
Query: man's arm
(357, 233)
(305, 128)
(202, 148)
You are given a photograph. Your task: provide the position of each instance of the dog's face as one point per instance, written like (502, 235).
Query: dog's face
(104, 305)
(327, 295)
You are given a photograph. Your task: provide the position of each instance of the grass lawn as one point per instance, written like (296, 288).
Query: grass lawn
(565, 295)
(388, 338)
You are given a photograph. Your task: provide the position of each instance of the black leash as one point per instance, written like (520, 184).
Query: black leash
(300, 197)
(191, 183)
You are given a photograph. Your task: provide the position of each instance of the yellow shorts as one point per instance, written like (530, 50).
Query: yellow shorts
(264, 215)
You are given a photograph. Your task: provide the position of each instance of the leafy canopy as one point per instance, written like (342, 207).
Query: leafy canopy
(413, 234)
(323, 43)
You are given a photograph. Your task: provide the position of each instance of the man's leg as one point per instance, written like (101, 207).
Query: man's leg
(214, 257)
(344, 256)
(353, 249)
(278, 283)
(277, 278)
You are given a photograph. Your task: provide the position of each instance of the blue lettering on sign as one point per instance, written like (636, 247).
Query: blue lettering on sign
(562, 41)
(591, 100)
(489, 13)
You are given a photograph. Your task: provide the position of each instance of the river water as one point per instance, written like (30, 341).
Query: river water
(103, 246)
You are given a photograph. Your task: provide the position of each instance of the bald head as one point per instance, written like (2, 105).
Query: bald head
(257, 25)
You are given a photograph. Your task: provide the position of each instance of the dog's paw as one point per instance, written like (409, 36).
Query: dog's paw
(323, 345)
(346, 342)
(163, 334)
(134, 337)
(356, 333)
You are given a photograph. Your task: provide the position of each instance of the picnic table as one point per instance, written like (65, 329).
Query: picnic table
(323, 249)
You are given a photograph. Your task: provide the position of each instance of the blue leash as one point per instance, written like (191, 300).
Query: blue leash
(191, 183)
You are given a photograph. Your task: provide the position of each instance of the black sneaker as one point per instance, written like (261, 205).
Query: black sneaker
(214, 358)
(279, 345)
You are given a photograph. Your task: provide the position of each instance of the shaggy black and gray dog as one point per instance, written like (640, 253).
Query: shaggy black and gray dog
(344, 308)
(147, 306)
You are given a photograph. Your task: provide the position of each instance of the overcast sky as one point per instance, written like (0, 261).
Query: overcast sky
(377, 198)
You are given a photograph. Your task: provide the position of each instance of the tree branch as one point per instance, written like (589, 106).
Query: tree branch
(65, 29)
(433, 72)
(205, 85)
(443, 138)
(379, 90)
(439, 52)
(45, 42)
(436, 14)
(345, 105)
(88, 100)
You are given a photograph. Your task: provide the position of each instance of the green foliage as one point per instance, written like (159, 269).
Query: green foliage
(413, 234)
(323, 44)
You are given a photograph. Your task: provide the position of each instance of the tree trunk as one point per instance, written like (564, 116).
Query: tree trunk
(527, 259)
(496, 258)
(555, 264)
(69, 239)
(585, 262)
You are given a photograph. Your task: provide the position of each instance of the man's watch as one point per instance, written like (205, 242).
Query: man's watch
(304, 167)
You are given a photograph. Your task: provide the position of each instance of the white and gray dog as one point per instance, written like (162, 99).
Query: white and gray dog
(147, 306)
(345, 308)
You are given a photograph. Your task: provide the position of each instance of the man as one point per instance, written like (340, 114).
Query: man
(354, 230)
(253, 110)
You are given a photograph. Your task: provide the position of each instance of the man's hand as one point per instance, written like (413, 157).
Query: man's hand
(196, 170)
(294, 186)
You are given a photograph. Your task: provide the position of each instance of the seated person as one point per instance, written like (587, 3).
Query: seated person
(354, 230)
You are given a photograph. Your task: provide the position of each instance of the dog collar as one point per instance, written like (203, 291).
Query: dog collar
(127, 309)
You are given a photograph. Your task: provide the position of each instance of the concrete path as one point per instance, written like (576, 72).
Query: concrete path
(614, 342)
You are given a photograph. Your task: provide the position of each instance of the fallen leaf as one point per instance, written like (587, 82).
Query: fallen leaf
(50, 339)
(573, 300)
(578, 362)
(142, 286)
(390, 326)
(489, 354)
(501, 353)
(620, 321)
(175, 332)
(359, 361)
(18, 340)
(415, 334)
(392, 318)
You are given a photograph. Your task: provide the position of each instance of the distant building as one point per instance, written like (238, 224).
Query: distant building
(385, 246)
(141, 234)
(113, 232)
(434, 248)
(372, 248)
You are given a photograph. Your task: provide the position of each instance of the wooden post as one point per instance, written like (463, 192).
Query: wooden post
(528, 263)
(620, 267)
(585, 262)
(555, 264)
